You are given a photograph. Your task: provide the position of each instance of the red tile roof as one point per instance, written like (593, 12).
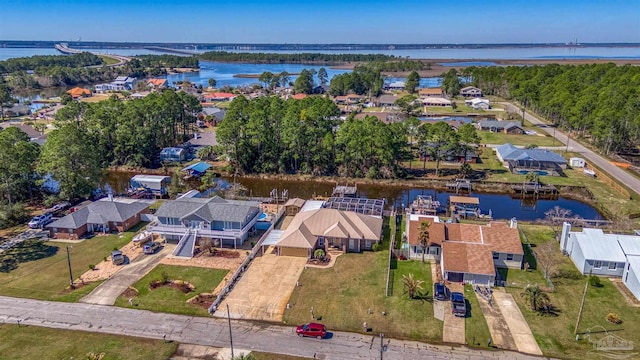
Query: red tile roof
(78, 91)
(299, 96)
(219, 95)
(468, 258)
(157, 82)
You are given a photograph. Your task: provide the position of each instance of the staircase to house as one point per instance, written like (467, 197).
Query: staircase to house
(186, 245)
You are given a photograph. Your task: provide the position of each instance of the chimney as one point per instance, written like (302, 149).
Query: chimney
(564, 237)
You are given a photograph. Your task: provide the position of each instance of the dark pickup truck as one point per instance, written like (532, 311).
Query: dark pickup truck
(458, 304)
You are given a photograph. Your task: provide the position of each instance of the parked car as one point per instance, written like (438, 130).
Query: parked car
(40, 220)
(60, 206)
(312, 329)
(150, 247)
(117, 257)
(440, 292)
(458, 304)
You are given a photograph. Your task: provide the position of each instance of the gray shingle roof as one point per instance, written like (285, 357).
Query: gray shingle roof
(100, 212)
(212, 209)
(509, 152)
(498, 124)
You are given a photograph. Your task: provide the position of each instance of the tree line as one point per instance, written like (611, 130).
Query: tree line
(168, 61)
(298, 58)
(30, 63)
(271, 135)
(598, 102)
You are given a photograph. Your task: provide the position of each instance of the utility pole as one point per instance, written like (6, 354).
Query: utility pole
(584, 296)
(70, 273)
(230, 337)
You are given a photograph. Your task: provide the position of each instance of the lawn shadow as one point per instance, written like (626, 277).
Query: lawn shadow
(468, 307)
(28, 250)
(423, 296)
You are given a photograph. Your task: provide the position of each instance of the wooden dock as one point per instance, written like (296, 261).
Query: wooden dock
(344, 191)
(534, 189)
(460, 185)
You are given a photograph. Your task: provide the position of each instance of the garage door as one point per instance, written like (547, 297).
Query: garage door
(289, 251)
(455, 276)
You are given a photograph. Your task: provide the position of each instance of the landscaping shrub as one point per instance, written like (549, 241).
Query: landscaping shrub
(595, 281)
(614, 318)
(92, 267)
(567, 274)
(165, 278)
(318, 254)
(375, 247)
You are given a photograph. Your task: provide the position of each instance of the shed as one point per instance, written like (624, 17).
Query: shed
(153, 183)
(173, 154)
(293, 206)
(577, 162)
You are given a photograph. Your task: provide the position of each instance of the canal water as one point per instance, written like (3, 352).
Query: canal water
(502, 206)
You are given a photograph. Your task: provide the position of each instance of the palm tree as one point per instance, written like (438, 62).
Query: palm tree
(244, 357)
(535, 297)
(465, 170)
(411, 285)
(423, 237)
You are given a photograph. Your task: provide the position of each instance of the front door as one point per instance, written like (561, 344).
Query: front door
(352, 244)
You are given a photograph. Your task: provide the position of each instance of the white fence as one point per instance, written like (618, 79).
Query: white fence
(245, 265)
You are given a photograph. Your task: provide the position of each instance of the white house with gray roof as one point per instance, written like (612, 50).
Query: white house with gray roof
(101, 216)
(597, 253)
(229, 221)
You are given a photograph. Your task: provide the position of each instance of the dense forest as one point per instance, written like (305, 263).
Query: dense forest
(271, 135)
(362, 80)
(33, 62)
(299, 58)
(71, 70)
(598, 102)
(168, 61)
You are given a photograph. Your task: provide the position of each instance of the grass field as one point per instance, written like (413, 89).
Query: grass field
(39, 270)
(32, 342)
(476, 328)
(555, 334)
(108, 60)
(356, 284)
(170, 300)
(488, 137)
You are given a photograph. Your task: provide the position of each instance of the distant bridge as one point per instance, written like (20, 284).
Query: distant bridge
(172, 51)
(65, 49)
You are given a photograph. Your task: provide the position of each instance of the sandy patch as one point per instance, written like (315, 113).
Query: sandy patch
(106, 269)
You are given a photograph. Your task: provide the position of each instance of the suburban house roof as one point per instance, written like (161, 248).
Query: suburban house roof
(295, 202)
(299, 96)
(209, 209)
(430, 91)
(307, 226)
(496, 236)
(469, 88)
(78, 91)
(509, 152)
(630, 244)
(436, 101)
(197, 167)
(397, 84)
(157, 82)
(219, 95)
(498, 124)
(100, 212)
(467, 258)
(436, 231)
(387, 99)
(595, 245)
(214, 111)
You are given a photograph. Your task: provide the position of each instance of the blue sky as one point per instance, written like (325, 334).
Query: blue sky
(303, 21)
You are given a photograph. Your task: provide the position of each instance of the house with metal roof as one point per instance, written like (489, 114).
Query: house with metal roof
(103, 216)
(430, 92)
(595, 252)
(173, 154)
(227, 221)
(471, 91)
(523, 161)
(396, 85)
(197, 169)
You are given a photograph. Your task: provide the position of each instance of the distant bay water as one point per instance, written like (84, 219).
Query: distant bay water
(503, 53)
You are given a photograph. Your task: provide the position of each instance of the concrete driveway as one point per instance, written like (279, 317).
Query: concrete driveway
(108, 291)
(520, 331)
(264, 290)
(500, 333)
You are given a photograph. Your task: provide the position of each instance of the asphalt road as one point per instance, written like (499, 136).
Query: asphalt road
(215, 332)
(624, 177)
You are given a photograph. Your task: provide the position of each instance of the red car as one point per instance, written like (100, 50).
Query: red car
(312, 329)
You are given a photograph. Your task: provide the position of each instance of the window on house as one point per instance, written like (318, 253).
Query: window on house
(496, 256)
(613, 265)
(597, 264)
(509, 256)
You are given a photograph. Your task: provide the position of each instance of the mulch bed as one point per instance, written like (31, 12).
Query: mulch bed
(324, 262)
(203, 300)
(129, 293)
(183, 286)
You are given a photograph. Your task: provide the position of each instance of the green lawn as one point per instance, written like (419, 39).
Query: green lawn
(476, 328)
(170, 300)
(488, 137)
(32, 342)
(108, 60)
(555, 334)
(356, 284)
(39, 270)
